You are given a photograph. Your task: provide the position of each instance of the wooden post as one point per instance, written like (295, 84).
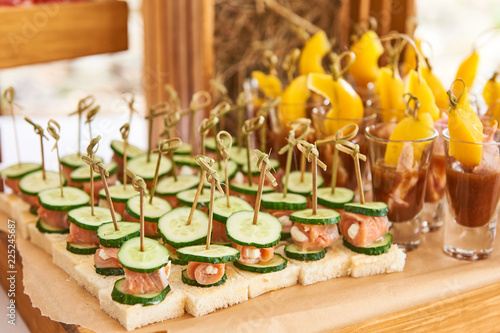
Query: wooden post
(178, 45)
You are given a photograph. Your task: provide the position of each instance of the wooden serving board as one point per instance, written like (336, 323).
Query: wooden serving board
(452, 310)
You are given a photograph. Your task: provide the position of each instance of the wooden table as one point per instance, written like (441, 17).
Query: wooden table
(473, 311)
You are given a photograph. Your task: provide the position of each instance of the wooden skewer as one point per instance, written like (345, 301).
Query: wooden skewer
(91, 150)
(55, 134)
(140, 186)
(164, 147)
(8, 96)
(353, 150)
(154, 111)
(124, 131)
(225, 153)
(39, 131)
(196, 197)
(170, 121)
(264, 165)
(141, 207)
(108, 198)
(250, 126)
(90, 117)
(83, 105)
(210, 216)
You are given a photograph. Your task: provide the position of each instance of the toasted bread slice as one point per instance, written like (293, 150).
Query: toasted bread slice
(66, 260)
(43, 240)
(363, 265)
(25, 219)
(259, 284)
(86, 277)
(201, 301)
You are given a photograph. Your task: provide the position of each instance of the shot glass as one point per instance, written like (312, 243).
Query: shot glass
(435, 202)
(400, 185)
(472, 195)
(383, 115)
(324, 127)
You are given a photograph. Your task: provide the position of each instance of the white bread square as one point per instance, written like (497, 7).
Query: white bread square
(4, 206)
(335, 264)
(201, 301)
(16, 205)
(363, 265)
(44, 240)
(259, 284)
(26, 219)
(66, 260)
(87, 277)
(135, 316)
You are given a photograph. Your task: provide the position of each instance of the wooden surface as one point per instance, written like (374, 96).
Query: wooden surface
(42, 33)
(473, 311)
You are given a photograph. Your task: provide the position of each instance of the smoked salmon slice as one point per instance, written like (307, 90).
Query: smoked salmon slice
(112, 260)
(318, 236)
(81, 236)
(251, 255)
(205, 273)
(369, 228)
(55, 219)
(143, 283)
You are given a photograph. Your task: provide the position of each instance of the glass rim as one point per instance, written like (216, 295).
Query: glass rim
(380, 109)
(316, 104)
(364, 118)
(375, 138)
(446, 136)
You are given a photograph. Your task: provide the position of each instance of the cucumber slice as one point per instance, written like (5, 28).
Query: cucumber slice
(152, 212)
(73, 198)
(377, 209)
(286, 236)
(81, 248)
(109, 271)
(323, 216)
(172, 226)
(19, 170)
(222, 211)
(293, 252)
(176, 261)
(239, 155)
(193, 283)
(132, 151)
(244, 188)
(338, 200)
(82, 217)
(33, 183)
(74, 161)
(276, 201)
(211, 145)
(217, 254)
(186, 198)
(275, 164)
(168, 186)
(109, 237)
(374, 249)
(146, 170)
(186, 160)
(46, 228)
(131, 299)
(184, 149)
(118, 194)
(277, 263)
(241, 230)
(82, 174)
(33, 210)
(154, 256)
(232, 170)
(305, 187)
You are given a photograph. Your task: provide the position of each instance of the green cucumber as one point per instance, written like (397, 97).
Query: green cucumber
(109, 237)
(109, 271)
(374, 249)
(33, 210)
(323, 216)
(74, 161)
(146, 170)
(184, 149)
(152, 212)
(19, 170)
(276, 201)
(186, 160)
(186, 198)
(277, 263)
(275, 164)
(118, 194)
(239, 155)
(175, 231)
(132, 151)
(241, 230)
(244, 188)
(376, 209)
(143, 299)
(286, 236)
(193, 283)
(222, 211)
(232, 170)
(82, 174)
(217, 254)
(72, 198)
(168, 186)
(304, 187)
(293, 252)
(46, 228)
(81, 248)
(33, 183)
(154, 256)
(82, 217)
(176, 261)
(341, 197)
